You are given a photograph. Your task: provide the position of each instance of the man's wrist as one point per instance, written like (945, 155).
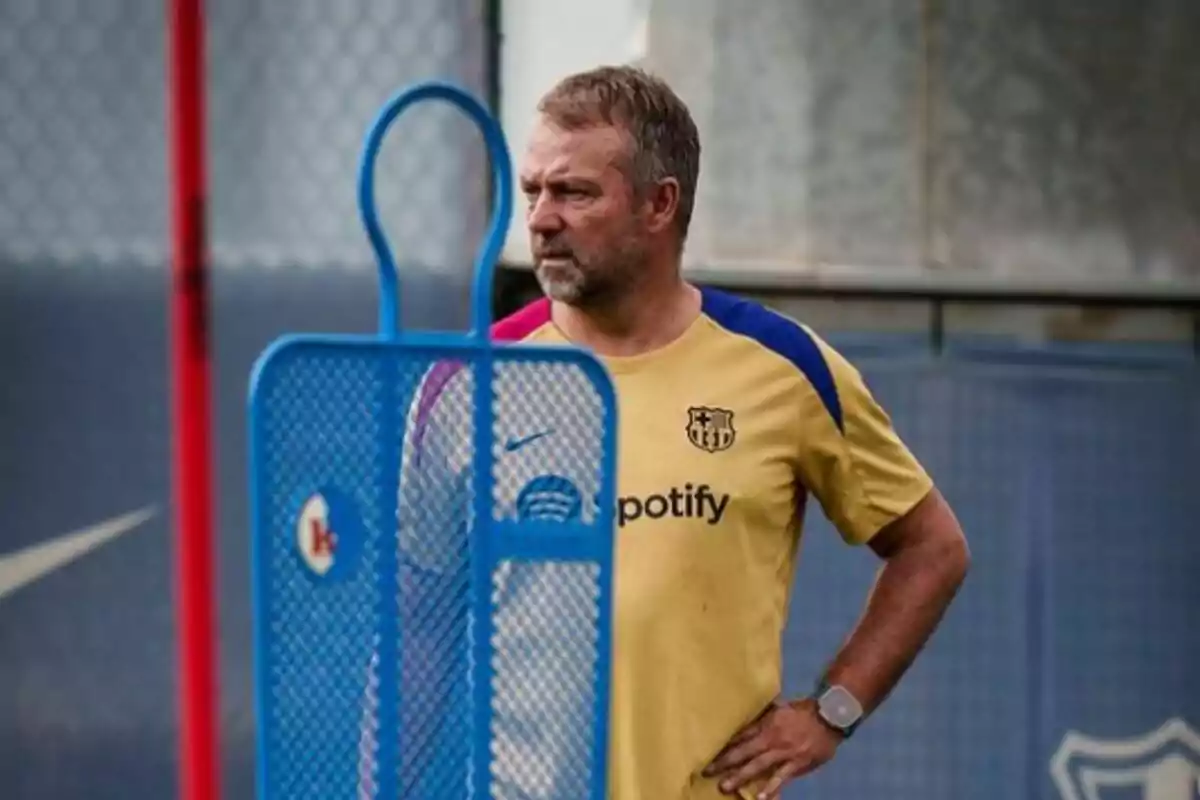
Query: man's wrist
(837, 706)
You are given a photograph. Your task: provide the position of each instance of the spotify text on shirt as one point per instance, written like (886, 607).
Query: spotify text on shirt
(689, 502)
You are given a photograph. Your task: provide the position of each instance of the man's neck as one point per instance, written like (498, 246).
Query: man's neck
(639, 321)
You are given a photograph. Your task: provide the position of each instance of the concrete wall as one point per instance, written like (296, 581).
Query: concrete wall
(1018, 139)
(1050, 143)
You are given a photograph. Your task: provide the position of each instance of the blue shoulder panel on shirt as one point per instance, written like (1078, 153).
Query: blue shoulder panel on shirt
(780, 335)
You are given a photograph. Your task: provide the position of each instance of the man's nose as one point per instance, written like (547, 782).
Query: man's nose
(543, 216)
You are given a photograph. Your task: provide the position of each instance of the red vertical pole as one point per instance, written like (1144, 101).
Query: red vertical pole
(190, 368)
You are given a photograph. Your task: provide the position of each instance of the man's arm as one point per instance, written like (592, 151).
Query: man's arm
(925, 560)
(874, 491)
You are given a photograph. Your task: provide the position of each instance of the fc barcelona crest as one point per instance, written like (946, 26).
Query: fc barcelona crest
(710, 429)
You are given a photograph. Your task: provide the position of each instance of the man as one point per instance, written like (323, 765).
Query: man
(731, 416)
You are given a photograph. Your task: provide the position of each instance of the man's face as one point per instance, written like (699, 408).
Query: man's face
(587, 238)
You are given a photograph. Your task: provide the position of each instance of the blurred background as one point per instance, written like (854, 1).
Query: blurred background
(992, 206)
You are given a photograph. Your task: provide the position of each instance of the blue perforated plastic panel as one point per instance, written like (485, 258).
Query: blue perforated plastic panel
(433, 543)
(403, 645)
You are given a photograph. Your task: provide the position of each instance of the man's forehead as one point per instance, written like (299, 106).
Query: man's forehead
(554, 149)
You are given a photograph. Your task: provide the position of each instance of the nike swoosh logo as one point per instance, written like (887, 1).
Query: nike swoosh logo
(512, 445)
(37, 561)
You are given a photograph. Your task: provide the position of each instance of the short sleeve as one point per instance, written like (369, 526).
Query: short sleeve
(433, 515)
(434, 503)
(853, 461)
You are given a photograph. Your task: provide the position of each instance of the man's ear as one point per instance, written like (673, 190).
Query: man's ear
(661, 204)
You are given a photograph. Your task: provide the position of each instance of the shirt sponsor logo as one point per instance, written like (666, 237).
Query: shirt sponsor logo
(558, 499)
(690, 502)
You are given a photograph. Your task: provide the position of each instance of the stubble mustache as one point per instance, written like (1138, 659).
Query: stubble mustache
(541, 254)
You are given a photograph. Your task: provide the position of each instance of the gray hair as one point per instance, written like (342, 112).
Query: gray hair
(666, 142)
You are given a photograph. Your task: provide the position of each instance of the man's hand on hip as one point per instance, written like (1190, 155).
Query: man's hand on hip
(787, 741)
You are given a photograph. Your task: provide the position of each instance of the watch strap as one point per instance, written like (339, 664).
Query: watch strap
(823, 685)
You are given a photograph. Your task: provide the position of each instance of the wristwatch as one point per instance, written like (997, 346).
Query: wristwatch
(837, 707)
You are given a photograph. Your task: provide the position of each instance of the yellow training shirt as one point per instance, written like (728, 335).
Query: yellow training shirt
(723, 435)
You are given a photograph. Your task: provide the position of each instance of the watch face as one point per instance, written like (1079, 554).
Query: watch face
(840, 707)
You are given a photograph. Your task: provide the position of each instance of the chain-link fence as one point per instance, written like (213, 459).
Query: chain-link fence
(292, 89)
(87, 657)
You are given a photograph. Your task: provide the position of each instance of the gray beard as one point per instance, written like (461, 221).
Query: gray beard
(584, 288)
(567, 286)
